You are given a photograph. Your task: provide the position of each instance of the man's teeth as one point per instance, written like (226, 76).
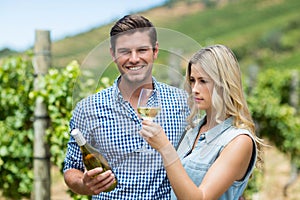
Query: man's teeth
(135, 68)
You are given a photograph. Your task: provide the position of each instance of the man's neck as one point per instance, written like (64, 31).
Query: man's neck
(131, 92)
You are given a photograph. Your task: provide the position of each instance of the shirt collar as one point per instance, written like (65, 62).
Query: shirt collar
(216, 131)
(117, 93)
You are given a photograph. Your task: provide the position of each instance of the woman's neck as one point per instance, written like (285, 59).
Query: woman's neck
(210, 122)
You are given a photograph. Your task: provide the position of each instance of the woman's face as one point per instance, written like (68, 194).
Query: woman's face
(202, 87)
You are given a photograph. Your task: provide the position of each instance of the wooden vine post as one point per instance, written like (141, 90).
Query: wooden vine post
(294, 102)
(41, 162)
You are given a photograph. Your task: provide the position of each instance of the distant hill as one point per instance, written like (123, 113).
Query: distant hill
(265, 33)
(261, 32)
(7, 52)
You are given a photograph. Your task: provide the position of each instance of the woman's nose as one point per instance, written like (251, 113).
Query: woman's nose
(195, 89)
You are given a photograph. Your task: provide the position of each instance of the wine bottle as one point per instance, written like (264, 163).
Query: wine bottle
(92, 158)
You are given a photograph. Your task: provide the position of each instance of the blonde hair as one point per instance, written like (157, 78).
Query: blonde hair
(228, 99)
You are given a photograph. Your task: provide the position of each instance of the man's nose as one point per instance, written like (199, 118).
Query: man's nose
(134, 57)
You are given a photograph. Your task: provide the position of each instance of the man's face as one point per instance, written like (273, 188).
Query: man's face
(134, 56)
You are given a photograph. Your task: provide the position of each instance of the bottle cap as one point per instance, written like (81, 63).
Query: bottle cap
(78, 137)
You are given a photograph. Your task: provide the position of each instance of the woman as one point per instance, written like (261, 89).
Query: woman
(219, 152)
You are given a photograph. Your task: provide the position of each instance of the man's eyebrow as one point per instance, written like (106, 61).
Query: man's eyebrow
(140, 47)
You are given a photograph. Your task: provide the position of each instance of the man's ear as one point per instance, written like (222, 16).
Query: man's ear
(156, 50)
(112, 53)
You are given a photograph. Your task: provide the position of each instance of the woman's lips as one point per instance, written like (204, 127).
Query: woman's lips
(198, 99)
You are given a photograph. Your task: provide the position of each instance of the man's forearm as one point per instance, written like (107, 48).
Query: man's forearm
(73, 179)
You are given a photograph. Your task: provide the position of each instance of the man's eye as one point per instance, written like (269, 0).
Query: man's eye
(143, 50)
(124, 52)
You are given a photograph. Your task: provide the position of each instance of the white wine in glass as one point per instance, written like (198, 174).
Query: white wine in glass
(149, 104)
(148, 108)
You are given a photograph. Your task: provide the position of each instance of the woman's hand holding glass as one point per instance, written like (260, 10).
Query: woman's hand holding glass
(154, 134)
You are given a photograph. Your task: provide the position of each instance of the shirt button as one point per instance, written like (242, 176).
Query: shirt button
(202, 137)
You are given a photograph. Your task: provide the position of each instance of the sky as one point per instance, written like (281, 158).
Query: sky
(19, 19)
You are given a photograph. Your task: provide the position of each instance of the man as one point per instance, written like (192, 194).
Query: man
(109, 121)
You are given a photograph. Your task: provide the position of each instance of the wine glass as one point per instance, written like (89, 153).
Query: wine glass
(148, 108)
(148, 104)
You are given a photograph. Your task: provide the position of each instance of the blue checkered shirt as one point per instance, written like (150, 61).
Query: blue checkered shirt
(110, 124)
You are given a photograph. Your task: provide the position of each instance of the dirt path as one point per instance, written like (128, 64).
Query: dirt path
(277, 172)
(58, 186)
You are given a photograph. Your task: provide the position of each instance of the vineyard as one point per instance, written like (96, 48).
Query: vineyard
(267, 47)
(278, 121)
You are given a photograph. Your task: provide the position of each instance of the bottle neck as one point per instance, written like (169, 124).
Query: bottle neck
(78, 137)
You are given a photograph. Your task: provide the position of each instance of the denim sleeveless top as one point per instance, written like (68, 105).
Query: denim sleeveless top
(207, 150)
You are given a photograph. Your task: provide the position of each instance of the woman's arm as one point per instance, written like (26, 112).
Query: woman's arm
(231, 165)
